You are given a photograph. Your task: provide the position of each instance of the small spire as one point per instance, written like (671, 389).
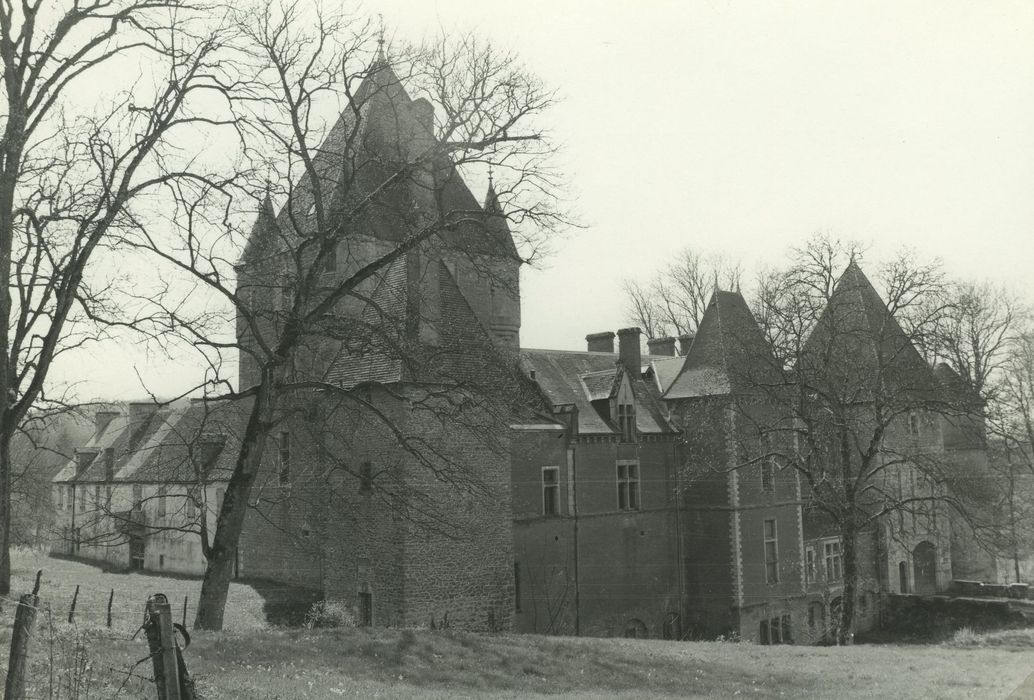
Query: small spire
(716, 288)
(380, 42)
(491, 186)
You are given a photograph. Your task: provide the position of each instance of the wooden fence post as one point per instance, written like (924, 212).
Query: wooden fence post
(162, 642)
(184, 623)
(71, 610)
(111, 599)
(24, 619)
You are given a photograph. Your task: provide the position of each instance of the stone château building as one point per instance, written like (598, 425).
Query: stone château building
(603, 492)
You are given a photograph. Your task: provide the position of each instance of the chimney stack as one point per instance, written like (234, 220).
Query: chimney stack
(102, 419)
(83, 458)
(662, 346)
(685, 343)
(600, 342)
(140, 413)
(629, 350)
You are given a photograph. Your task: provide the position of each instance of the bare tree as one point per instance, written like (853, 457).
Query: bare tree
(71, 179)
(674, 301)
(970, 326)
(348, 204)
(852, 406)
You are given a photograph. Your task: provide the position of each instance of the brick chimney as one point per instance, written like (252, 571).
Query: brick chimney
(662, 346)
(600, 342)
(686, 342)
(83, 458)
(140, 413)
(629, 350)
(102, 419)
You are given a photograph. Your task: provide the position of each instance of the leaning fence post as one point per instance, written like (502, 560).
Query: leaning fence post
(71, 609)
(162, 642)
(24, 619)
(111, 599)
(184, 623)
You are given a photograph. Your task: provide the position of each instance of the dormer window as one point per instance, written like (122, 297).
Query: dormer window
(626, 421)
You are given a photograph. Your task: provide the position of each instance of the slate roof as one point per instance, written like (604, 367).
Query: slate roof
(600, 385)
(666, 369)
(166, 446)
(729, 354)
(354, 161)
(586, 379)
(858, 346)
(407, 342)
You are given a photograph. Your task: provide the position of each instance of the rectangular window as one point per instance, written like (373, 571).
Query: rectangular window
(330, 261)
(775, 630)
(82, 499)
(834, 561)
(70, 504)
(61, 497)
(108, 494)
(784, 624)
(628, 486)
(285, 295)
(191, 508)
(365, 609)
(96, 495)
(771, 552)
(768, 475)
(810, 565)
(626, 421)
(516, 587)
(550, 491)
(365, 477)
(162, 505)
(284, 471)
(138, 496)
(769, 465)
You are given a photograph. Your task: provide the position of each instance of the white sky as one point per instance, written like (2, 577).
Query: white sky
(744, 127)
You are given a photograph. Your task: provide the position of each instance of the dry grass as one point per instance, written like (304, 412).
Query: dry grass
(254, 661)
(1017, 640)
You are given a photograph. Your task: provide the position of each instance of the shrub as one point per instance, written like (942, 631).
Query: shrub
(966, 637)
(324, 613)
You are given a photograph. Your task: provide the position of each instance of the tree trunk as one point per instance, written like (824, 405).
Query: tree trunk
(845, 633)
(221, 556)
(5, 514)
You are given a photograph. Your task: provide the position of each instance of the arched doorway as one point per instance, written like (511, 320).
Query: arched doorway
(635, 629)
(924, 562)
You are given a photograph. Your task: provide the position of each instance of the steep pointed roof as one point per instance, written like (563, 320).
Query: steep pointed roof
(382, 131)
(263, 239)
(857, 346)
(729, 354)
(496, 224)
(413, 329)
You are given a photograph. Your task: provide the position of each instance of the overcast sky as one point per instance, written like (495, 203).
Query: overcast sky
(744, 127)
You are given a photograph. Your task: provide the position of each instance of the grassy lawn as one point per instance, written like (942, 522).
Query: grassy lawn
(251, 660)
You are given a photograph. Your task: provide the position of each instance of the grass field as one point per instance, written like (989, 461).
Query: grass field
(251, 660)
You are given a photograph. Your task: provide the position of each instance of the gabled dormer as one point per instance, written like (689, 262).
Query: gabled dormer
(623, 409)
